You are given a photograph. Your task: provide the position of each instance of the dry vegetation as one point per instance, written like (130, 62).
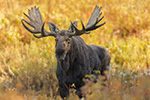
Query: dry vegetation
(28, 65)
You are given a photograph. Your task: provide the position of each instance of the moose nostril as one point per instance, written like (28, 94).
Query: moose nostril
(60, 51)
(64, 44)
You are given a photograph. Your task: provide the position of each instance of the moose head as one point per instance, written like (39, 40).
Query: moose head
(63, 38)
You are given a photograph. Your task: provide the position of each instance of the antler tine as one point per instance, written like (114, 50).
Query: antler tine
(26, 15)
(100, 19)
(42, 32)
(83, 28)
(98, 26)
(74, 26)
(30, 30)
(94, 26)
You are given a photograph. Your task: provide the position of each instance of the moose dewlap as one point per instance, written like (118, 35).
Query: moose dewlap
(75, 59)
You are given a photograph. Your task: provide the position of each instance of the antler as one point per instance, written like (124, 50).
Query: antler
(36, 23)
(92, 23)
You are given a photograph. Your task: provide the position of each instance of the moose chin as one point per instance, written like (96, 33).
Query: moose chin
(75, 58)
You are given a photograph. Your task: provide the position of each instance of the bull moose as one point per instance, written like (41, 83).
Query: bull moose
(75, 58)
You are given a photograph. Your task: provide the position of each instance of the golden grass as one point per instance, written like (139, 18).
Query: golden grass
(28, 65)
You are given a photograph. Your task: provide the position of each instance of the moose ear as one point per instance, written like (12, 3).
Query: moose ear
(71, 28)
(53, 27)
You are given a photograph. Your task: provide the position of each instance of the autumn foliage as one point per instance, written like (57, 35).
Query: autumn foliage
(28, 65)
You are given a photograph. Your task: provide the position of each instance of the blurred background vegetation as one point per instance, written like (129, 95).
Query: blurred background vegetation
(28, 65)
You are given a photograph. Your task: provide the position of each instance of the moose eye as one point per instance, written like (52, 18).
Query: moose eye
(68, 40)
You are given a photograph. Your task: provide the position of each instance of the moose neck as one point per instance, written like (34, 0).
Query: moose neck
(77, 50)
(64, 64)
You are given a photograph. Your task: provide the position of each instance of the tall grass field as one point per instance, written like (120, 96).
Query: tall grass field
(28, 65)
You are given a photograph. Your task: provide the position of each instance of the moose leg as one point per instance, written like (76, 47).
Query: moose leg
(103, 74)
(105, 59)
(105, 65)
(63, 90)
(79, 93)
